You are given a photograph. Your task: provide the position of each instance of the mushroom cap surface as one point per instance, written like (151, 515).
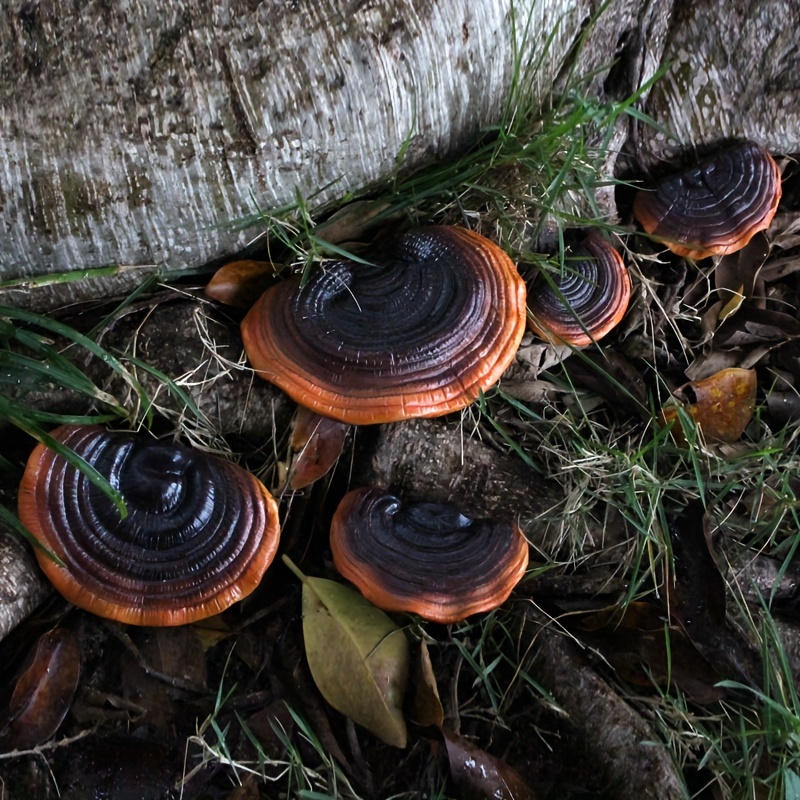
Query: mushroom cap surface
(715, 207)
(425, 558)
(420, 333)
(199, 533)
(587, 301)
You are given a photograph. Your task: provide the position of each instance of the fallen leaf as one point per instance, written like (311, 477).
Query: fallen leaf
(352, 221)
(756, 326)
(784, 406)
(644, 649)
(240, 283)
(44, 691)
(358, 657)
(736, 275)
(427, 705)
(318, 442)
(721, 405)
(481, 775)
(696, 597)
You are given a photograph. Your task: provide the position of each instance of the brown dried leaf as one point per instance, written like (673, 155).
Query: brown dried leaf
(638, 642)
(240, 283)
(319, 442)
(427, 705)
(721, 405)
(352, 221)
(482, 776)
(756, 326)
(736, 275)
(44, 691)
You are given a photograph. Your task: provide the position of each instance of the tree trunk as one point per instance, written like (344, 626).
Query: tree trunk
(146, 134)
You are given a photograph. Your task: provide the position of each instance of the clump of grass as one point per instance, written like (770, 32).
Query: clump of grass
(40, 355)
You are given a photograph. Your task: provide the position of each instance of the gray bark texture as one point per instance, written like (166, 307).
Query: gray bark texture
(22, 584)
(732, 71)
(139, 133)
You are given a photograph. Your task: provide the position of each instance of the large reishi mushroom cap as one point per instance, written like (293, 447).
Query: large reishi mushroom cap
(587, 301)
(425, 558)
(420, 334)
(199, 533)
(715, 207)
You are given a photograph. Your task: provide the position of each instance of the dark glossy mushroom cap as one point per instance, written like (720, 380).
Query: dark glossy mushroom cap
(425, 558)
(199, 533)
(715, 207)
(587, 300)
(420, 334)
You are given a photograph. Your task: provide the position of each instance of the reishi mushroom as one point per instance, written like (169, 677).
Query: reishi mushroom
(199, 533)
(420, 333)
(425, 558)
(715, 207)
(587, 300)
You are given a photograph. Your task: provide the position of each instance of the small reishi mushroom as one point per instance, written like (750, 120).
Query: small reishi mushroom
(586, 301)
(425, 558)
(199, 533)
(715, 207)
(420, 333)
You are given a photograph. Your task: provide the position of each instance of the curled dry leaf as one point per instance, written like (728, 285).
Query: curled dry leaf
(43, 693)
(318, 442)
(736, 276)
(721, 405)
(358, 657)
(480, 775)
(427, 705)
(640, 645)
(240, 283)
(353, 221)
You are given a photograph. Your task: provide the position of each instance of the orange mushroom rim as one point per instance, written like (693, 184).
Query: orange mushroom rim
(428, 559)
(421, 332)
(199, 534)
(714, 207)
(587, 301)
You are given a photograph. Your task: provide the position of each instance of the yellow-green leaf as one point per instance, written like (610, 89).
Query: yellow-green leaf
(358, 657)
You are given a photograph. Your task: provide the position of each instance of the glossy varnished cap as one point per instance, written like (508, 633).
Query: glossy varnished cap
(587, 300)
(199, 533)
(425, 558)
(419, 334)
(713, 208)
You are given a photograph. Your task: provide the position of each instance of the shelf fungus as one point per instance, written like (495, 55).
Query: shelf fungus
(198, 535)
(715, 207)
(586, 301)
(425, 558)
(421, 332)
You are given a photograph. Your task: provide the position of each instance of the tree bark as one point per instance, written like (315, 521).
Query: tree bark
(145, 134)
(733, 71)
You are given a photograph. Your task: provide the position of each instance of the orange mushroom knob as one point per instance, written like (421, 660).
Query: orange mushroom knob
(425, 558)
(199, 533)
(587, 301)
(715, 207)
(420, 333)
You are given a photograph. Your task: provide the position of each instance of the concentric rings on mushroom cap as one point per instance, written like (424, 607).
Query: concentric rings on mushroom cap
(587, 301)
(715, 207)
(419, 334)
(199, 533)
(425, 558)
